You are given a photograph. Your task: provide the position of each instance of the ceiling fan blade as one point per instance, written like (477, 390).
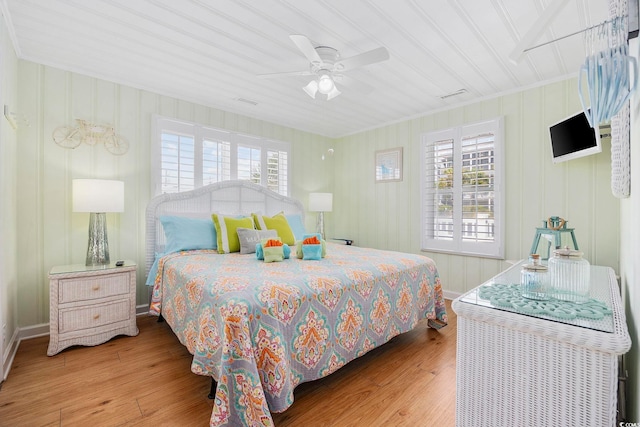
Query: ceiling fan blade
(286, 73)
(353, 84)
(376, 55)
(304, 44)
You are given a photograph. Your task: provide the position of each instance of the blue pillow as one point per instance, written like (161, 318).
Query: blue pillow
(182, 233)
(153, 271)
(297, 226)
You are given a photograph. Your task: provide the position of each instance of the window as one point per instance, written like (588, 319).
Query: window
(177, 162)
(462, 192)
(192, 155)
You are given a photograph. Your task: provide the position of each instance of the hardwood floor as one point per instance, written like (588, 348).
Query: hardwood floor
(146, 381)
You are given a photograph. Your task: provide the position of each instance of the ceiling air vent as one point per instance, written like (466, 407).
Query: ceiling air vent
(456, 93)
(246, 101)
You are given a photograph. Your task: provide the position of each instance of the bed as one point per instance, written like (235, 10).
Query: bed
(260, 329)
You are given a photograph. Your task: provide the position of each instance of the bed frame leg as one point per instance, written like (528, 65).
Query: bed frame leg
(212, 392)
(160, 318)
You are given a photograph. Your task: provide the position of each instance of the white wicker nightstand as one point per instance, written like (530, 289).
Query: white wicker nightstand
(515, 369)
(89, 305)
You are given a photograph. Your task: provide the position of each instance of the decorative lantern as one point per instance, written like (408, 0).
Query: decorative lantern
(553, 235)
(569, 276)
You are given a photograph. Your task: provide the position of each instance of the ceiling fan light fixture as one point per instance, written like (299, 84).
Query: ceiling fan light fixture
(335, 92)
(326, 84)
(311, 89)
(326, 64)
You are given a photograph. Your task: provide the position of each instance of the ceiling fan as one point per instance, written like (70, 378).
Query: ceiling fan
(327, 66)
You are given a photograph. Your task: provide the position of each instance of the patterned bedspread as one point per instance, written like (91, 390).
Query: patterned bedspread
(260, 329)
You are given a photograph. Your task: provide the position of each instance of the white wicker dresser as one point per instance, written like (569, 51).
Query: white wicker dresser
(90, 305)
(514, 369)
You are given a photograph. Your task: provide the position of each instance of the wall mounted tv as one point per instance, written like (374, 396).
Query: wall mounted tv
(573, 137)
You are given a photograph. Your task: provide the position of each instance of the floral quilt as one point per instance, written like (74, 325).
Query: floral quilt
(260, 329)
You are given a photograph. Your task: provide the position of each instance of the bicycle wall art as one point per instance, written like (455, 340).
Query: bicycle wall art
(91, 134)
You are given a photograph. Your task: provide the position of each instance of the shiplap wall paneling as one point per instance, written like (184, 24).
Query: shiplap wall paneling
(8, 214)
(30, 178)
(516, 199)
(51, 234)
(535, 188)
(129, 122)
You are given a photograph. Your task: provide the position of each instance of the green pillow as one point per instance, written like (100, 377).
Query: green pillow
(277, 222)
(227, 231)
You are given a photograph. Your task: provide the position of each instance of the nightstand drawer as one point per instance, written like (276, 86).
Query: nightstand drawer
(93, 287)
(93, 316)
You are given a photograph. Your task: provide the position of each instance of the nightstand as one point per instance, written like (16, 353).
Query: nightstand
(89, 305)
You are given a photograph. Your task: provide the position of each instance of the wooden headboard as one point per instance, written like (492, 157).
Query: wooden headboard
(227, 197)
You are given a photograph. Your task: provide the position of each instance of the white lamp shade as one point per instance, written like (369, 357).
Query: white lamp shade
(98, 195)
(320, 202)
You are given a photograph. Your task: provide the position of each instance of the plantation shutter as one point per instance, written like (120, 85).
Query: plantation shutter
(189, 156)
(249, 159)
(462, 204)
(277, 170)
(177, 159)
(216, 155)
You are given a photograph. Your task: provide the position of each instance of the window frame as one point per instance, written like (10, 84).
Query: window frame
(200, 133)
(457, 245)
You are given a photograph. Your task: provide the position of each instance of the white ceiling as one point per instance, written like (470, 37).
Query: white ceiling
(210, 51)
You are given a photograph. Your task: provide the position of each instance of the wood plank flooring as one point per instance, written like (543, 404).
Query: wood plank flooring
(146, 381)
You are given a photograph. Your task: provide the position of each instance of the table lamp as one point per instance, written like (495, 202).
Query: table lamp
(98, 196)
(321, 203)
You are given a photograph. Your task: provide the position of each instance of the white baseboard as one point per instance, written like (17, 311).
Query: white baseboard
(43, 329)
(35, 331)
(142, 309)
(10, 354)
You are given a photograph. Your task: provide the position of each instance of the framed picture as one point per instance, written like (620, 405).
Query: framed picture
(389, 165)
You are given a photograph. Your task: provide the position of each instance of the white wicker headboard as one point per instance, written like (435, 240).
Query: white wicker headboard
(227, 197)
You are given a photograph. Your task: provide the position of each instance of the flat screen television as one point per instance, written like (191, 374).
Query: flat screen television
(573, 137)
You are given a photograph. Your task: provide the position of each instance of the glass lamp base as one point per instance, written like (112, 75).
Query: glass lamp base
(320, 224)
(98, 247)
